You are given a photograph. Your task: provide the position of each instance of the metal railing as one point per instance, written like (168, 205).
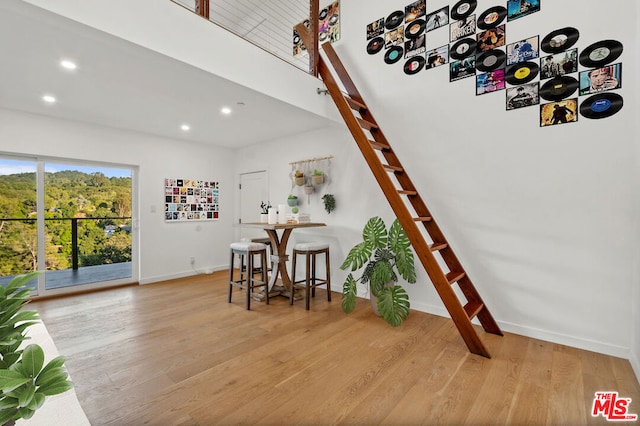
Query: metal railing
(268, 25)
(74, 230)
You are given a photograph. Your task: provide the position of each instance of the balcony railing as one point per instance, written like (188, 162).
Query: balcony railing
(29, 241)
(268, 25)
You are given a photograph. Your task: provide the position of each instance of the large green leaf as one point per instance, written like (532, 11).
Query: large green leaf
(33, 360)
(357, 257)
(10, 380)
(393, 305)
(26, 395)
(53, 375)
(399, 243)
(374, 233)
(8, 414)
(349, 292)
(56, 388)
(54, 363)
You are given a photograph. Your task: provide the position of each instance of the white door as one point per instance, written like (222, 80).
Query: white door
(253, 191)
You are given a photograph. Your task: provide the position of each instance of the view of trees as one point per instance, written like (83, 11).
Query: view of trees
(68, 194)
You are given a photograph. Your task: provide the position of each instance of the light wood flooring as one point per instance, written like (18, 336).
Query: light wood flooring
(176, 353)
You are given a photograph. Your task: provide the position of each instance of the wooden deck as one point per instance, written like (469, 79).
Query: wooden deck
(176, 353)
(83, 275)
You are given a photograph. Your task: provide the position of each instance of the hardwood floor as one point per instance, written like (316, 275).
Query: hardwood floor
(177, 353)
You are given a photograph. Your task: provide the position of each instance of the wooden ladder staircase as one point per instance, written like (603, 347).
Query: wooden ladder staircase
(388, 171)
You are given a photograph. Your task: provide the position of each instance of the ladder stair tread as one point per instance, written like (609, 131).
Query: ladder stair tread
(393, 168)
(438, 246)
(355, 104)
(454, 276)
(367, 124)
(473, 309)
(423, 219)
(379, 146)
(407, 192)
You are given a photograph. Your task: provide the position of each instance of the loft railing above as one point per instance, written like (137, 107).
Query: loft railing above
(268, 25)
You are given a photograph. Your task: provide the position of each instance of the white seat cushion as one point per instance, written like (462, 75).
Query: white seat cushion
(248, 246)
(312, 246)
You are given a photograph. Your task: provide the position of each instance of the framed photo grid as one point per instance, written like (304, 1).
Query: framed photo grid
(191, 200)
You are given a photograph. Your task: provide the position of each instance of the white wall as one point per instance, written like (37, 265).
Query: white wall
(542, 218)
(635, 331)
(165, 247)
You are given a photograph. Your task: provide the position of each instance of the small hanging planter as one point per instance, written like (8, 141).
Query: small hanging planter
(308, 190)
(318, 177)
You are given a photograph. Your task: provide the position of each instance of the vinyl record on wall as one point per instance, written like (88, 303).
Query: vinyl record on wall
(375, 45)
(463, 48)
(492, 17)
(414, 65)
(463, 8)
(602, 105)
(559, 40)
(415, 28)
(394, 19)
(491, 60)
(558, 88)
(522, 72)
(601, 53)
(393, 55)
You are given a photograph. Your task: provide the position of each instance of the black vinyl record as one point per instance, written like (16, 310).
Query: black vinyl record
(334, 19)
(463, 8)
(414, 65)
(559, 40)
(558, 88)
(463, 48)
(601, 105)
(375, 45)
(492, 17)
(393, 55)
(394, 19)
(415, 28)
(601, 53)
(491, 60)
(522, 72)
(323, 14)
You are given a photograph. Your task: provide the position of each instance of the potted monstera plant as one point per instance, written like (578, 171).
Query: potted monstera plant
(385, 256)
(25, 381)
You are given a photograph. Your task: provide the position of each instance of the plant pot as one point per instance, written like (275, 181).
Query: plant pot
(264, 218)
(317, 179)
(299, 180)
(292, 201)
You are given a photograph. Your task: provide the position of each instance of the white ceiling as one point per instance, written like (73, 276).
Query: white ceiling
(120, 84)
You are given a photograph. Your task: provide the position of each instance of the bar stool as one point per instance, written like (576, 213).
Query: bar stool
(311, 281)
(247, 279)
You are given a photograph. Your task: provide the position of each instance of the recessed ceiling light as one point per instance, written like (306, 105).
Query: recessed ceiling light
(49, 99)
(185, 127)
(226, 110)
(68, 64)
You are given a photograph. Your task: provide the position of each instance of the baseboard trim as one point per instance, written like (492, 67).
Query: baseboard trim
(546, 335)
(184, 274)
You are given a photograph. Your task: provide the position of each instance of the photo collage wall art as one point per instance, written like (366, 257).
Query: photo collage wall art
(190, 200)
(328, 28)
(530, 72)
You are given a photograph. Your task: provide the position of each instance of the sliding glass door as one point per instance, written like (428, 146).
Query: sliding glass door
(77, 217)
(18, 219)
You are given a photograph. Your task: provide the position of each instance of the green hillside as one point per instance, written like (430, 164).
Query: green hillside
(68, 194)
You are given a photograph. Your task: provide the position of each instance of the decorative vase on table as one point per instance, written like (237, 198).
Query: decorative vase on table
(264, 218)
